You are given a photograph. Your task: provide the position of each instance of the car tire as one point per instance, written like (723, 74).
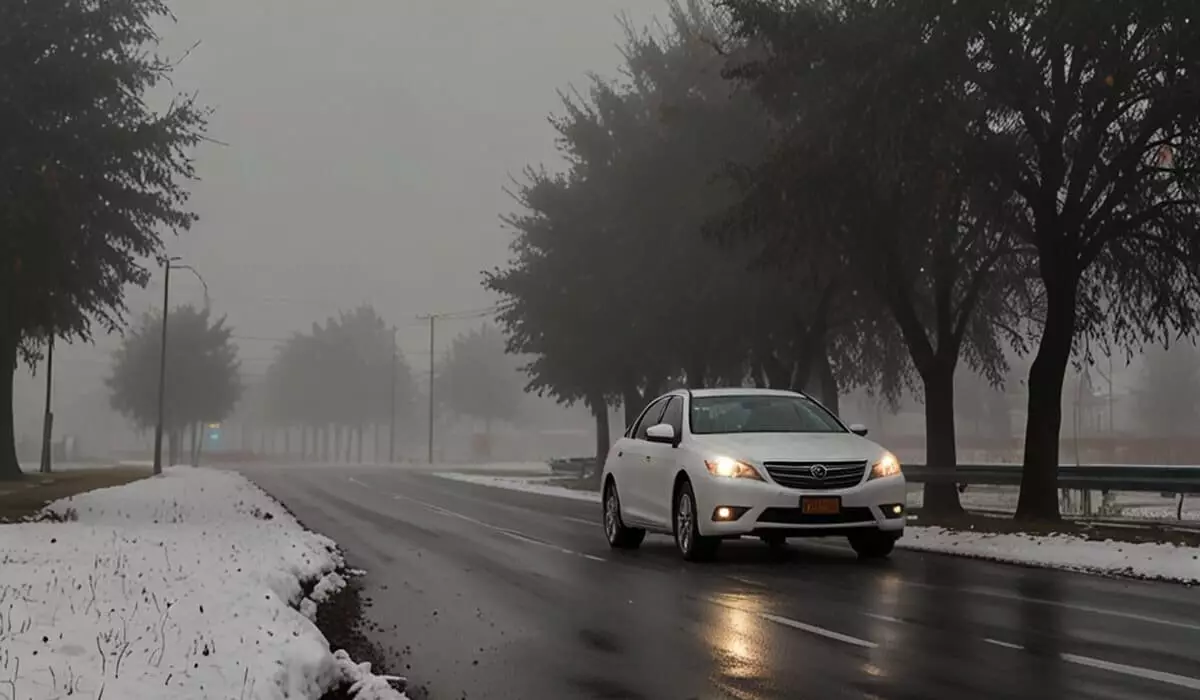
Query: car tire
(873, 544)
(619, 536)
(692, 545)
(774, 540)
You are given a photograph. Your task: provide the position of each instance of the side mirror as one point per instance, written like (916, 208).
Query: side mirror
(859, 429)
(662, 433)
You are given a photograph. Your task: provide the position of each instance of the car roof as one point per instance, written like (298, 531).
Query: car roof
(736, 391)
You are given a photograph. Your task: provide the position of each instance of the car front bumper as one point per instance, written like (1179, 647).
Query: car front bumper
(767, 508)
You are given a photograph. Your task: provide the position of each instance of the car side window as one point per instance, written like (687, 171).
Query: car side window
(649, 418)
(673, 415)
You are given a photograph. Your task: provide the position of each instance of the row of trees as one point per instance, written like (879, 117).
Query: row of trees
(330, 384)
(336, 380)
(347, 374)
(90, 174)
(841, 193)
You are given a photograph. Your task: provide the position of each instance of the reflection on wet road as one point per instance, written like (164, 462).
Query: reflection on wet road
(502, 594)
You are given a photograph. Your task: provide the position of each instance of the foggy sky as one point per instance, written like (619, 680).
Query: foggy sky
(368, 142)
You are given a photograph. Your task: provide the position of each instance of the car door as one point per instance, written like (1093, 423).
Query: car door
(659, 474)
(635, 462)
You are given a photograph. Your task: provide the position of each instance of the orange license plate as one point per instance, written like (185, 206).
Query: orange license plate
(820, 506)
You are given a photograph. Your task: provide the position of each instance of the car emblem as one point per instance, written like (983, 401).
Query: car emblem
(819, 471)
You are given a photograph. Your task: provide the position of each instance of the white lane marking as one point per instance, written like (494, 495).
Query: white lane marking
(581, 521)
(1068, 606)
(1087, 609)
(1006, 645)
(495, 528)
(820, 631)
(1136, 671)
(885, 618)
(747, 581)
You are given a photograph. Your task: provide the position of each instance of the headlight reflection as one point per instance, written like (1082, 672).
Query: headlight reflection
(735, 637)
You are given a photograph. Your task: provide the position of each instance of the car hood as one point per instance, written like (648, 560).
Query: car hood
(768, 447)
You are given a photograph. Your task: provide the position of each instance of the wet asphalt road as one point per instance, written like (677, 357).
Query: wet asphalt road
(502, 594)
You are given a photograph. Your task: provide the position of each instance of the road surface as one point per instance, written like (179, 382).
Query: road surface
(508, 595)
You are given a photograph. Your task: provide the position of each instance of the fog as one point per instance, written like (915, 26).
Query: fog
(360, 153)
(367, 145)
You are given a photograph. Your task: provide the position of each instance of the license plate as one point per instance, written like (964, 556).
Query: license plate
(820, 506)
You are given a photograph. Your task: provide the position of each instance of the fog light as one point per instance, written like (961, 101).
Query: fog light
(897, 509)
(892, 510)
(728, 514)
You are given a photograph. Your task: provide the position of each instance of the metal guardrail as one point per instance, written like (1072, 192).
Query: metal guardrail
(1151, 478)
(1097, 477)
(577, 466)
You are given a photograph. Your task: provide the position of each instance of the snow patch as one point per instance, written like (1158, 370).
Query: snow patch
(184, 585)
(1148, 560)
(526, 485)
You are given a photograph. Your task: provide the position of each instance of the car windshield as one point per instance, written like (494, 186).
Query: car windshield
(758, 413)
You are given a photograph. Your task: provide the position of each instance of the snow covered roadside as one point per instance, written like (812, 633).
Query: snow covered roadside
(1167, 562)
(188, 585)
(1145, 560)
(526, 484)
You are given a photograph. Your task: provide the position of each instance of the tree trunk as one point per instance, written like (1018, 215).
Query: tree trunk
(695, 372)
(941, 453)
(603, 436)
(1039, 476)
(633, 404)
(174, 446)
(10, 468)
(194, 428)
(827, 384)
(757, 374)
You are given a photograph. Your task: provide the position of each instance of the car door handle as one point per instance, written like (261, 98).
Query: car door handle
(647, 458)
(620, 454)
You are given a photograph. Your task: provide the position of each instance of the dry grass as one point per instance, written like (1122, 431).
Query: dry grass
(22, 500)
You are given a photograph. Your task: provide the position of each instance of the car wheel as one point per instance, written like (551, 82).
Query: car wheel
(872, 544)
(619, 536)
(774, 540)
(692, 545)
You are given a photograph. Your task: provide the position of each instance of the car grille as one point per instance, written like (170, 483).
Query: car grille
(794, 516)
(799, 475)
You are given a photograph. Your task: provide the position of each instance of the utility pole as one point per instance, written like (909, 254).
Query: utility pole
(392, 429)
(432, 324)
(162, 368)
(48, 418)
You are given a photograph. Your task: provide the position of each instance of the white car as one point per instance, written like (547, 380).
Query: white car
(713, 464)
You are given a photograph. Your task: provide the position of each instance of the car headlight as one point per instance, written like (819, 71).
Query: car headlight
(887, 465)
(731, 468)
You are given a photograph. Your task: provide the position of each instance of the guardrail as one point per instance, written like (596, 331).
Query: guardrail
(1096, 477)
(1153, 478)
(578, 466)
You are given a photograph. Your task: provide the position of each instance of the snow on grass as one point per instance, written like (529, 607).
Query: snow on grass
(527, 485)
(180, 586)
(1161, 561)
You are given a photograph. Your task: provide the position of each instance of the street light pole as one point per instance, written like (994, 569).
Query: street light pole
(162, 368)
